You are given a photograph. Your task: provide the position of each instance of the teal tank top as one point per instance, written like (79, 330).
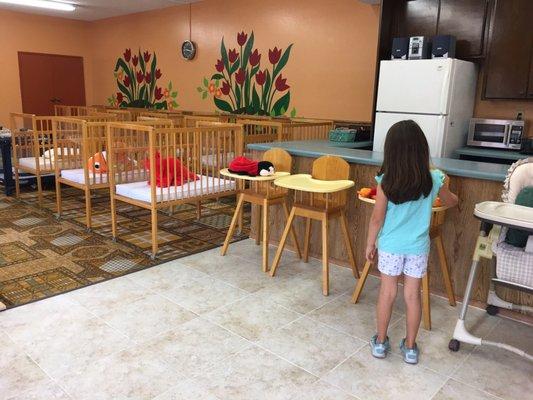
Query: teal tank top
(406, 226)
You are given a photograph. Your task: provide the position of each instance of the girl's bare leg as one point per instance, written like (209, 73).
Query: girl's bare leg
(411, 292)
(387, 295)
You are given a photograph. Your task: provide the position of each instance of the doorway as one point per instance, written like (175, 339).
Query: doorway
(50, 79)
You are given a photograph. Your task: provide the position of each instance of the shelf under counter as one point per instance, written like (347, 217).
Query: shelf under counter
(499, 156)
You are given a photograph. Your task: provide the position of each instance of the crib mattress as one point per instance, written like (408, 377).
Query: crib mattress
(205, 185)
(29, 162)
(77, 176)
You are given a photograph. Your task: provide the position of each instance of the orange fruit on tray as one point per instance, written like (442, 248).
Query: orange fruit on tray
(437, 202)
(364, 192)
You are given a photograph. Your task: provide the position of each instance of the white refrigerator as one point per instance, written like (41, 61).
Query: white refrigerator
(438, 94)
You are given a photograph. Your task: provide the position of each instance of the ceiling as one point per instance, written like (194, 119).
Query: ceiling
(91, 10)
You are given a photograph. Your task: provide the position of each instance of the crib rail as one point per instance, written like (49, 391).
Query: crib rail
(73, 111)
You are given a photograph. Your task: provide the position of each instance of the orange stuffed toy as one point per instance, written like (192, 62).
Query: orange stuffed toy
(170, 172)
(370, 193)
(97, 164)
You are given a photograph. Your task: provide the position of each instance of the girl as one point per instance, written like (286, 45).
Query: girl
(407, 188)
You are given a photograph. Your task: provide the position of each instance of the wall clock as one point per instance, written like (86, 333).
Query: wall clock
(188, 50)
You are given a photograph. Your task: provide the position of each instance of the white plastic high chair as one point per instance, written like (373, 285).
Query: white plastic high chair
(514, 266)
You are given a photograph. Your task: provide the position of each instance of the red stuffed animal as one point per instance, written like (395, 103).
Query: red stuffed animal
(170, 172)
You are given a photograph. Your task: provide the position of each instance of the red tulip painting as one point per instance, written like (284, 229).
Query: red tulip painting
(137, 79)
(246, 88)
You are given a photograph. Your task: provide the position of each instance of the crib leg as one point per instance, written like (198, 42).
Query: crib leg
(154, 232)
(88, 209)
(39, 189)
(198, 210)
(59, 200)
(17, 183)
(113, 217)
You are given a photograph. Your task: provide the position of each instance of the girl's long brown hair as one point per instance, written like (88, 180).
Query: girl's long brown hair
(405, 169)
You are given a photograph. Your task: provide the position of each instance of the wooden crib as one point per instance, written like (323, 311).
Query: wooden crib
(84, 165)
(261, 131)
(32, 148)
(73, 111)
(135, 152)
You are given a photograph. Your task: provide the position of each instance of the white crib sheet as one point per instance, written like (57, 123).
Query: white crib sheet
(29, 162)
(205, 185)
(77, 176)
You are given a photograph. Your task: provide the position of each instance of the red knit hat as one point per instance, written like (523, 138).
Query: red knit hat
(243, 166)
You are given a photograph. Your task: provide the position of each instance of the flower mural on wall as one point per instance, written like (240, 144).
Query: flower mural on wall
(137, 79)
(240, 84)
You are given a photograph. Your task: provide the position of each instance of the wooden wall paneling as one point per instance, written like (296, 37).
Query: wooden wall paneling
(508, 63)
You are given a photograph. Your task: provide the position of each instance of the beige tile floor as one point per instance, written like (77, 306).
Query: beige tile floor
(217, 328)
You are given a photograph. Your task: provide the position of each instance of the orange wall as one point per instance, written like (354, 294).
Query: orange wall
(330, 71)
(40, 34)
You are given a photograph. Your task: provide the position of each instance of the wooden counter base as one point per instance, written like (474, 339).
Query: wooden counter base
(460, 231)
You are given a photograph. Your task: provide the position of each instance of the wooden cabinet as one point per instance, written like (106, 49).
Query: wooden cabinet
(464, 19)
(508, 70)
(467, 21)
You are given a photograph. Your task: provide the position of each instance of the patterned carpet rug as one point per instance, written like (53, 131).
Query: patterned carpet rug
(42, 257)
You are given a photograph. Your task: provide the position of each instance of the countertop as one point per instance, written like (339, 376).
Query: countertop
(452, 166)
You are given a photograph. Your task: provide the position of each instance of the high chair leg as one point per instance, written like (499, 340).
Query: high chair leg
(361, 282)
(349, 248)
(266, 227)
(286, 231)
(325, 257)
(426, 307)
(445, 270)
(258, 218)
(232, 225)
(293, 232)
(307, 239)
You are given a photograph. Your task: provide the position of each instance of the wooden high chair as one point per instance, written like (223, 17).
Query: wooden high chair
(435, 235)
(320, 196)
(262, 193)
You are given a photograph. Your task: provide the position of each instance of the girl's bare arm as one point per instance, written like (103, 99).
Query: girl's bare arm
(376, 222)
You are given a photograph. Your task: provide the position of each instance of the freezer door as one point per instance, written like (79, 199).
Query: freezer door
(415, 86)
(434, 127)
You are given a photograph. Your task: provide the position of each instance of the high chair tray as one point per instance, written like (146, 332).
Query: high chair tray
(372, 201)
(507, 214)
(306, 183)
(276, 175)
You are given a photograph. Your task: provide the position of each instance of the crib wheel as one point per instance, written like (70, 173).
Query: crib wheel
(114, 239)
(58, 217)
(492, 310)
(454, 345)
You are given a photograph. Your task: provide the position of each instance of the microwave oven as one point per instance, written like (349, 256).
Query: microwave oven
(496, 133)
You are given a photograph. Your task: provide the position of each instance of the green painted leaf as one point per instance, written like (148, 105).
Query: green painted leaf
(223, 105)
(254, 70)
(124, 90)
(174, 94)
(247, 50)
(206, 82)
(217, 83)
(170, 85)
(266, 88)
(174, 104)
(282, 104)
(141, 62)
(293, 112)
(246, 90)
(204, 95)
(235, 66)
(224, 55)
(255, 99)
(238, 95)
(217, 76)
(199, 89)
(142, 93)
(282, 61)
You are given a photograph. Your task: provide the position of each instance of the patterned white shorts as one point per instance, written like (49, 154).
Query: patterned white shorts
(395, 264)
